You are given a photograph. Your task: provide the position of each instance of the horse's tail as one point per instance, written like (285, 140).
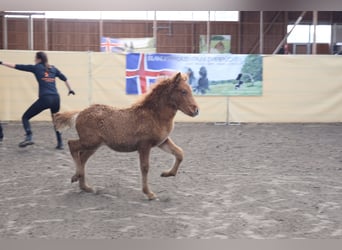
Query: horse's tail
(65, 120)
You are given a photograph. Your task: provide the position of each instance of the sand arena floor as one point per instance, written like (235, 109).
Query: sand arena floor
(265, 181)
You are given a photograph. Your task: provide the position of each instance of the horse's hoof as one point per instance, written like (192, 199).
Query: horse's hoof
(75, 178)
(167, 174)
(151, 196)
(87, 189)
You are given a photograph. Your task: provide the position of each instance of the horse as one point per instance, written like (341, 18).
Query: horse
(140, 127)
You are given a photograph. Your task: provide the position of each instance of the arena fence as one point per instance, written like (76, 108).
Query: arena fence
(296, 88)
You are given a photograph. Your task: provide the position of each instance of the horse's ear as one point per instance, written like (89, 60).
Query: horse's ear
(177, 78)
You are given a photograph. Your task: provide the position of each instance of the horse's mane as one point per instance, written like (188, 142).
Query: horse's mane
(159, 90)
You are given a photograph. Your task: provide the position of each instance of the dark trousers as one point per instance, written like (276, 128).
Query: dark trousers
(51, 102)
(1, 133)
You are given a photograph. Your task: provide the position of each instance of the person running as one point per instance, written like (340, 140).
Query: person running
(48, 95)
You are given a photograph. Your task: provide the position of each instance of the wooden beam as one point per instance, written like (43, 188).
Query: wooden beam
(9, 13)
(261, 33)
(4, 33)
(314, 42)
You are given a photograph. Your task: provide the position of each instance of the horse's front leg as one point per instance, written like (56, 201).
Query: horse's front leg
(144, 154)
(170, 147)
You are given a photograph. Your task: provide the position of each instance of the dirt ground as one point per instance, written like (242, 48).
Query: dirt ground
(263, 181)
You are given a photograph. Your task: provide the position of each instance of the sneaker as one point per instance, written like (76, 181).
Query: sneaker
(60, 147)
(25, 143)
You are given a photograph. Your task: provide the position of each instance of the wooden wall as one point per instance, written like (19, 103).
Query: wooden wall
(173, 37)
(84, 35)
(274, 31)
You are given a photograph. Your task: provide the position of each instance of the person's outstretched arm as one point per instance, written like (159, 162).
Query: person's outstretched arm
(22, 67)
(9, 65)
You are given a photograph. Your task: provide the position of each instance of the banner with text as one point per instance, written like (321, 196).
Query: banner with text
(209, 74)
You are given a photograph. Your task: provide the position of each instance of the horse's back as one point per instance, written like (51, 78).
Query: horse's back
(122, 130)
(108, 125)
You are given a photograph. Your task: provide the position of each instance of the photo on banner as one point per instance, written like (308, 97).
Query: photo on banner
(209, 74)
(128, 45)
(219, 44)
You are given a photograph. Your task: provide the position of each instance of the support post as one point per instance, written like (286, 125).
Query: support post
(46, 34)
(239, 33)
(30, 32)
(4, 32)
(155, 30)
(90, 77)
(100, 30)
(314, 41)
(208, 33)
(227, 120)
(261, 33)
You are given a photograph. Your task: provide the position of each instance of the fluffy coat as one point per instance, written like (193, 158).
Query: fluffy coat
(144, 125)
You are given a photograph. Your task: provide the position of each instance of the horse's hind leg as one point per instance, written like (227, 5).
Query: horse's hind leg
(84, 156)
(170, 147)
(74, 147)
(80, 157)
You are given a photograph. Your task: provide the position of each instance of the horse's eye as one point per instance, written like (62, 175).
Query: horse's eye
(184, 92)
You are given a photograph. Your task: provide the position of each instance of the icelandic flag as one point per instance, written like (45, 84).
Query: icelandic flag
(142, 70)
(112, 45)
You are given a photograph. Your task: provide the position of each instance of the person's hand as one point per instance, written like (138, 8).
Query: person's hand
(71, 92)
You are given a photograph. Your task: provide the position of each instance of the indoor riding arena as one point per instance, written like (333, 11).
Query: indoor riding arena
(262, 158)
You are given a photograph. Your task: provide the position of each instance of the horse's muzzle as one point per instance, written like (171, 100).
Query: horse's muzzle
(195, 113)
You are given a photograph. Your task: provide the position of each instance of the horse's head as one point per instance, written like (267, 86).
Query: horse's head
(181, 95)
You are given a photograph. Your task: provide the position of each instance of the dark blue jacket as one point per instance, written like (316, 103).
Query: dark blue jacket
(46, 79)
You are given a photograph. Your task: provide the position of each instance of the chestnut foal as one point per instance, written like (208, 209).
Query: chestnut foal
(146, 124)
